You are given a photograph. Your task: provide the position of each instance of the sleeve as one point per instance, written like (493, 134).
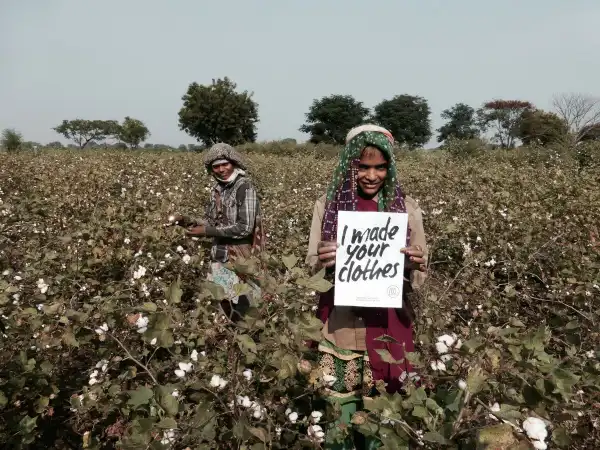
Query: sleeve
(246, 216)
(417, 237)
(312, 258)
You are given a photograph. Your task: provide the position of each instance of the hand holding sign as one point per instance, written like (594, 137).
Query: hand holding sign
(369, 271)
(415, 258)
(327, 252)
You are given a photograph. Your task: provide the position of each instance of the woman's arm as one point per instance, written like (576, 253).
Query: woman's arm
(417, 237)
(312, 258)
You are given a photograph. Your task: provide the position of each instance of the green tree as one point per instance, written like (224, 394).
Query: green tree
(217, 113)
(83, 131)
(11, 140)
(503, 117)
(407, 117)
(541, 127)
(55, 144)
(330, 118)
(461, 123)
(133, 132)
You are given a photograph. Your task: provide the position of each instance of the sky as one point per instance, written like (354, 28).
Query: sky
(67, 59)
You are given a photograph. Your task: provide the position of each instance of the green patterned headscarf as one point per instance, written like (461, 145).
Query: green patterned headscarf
(342, 191)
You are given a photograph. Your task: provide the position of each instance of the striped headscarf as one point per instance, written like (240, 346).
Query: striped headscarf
(342, 191)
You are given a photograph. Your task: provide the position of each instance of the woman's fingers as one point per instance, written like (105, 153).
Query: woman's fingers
(417, 260)
(415, 251)
(327, 256)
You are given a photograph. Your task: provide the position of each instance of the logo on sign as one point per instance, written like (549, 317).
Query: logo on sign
(393, 291)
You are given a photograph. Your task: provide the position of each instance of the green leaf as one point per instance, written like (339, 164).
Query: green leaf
(174, 292)
(167, 423)
(246, 343)
(141, 396)
(317, 282)
(386, 338)
(420, 411)
(28, 424)
(166, 401)
(413, 358)
(169, 404)
(69, 339)
(475, 380)
(435, 437)
(46, 367)
(572, 325)
(149, 307)
(215, 290)
(387, 356)
(432, 406)
(473, 344)
(3, 399)
(288, 367)
(30, 312)
(508, 412)
(260, 433)
(560, 436)
(516, 323)
(42, 404)
(290, 261)
(392, 441)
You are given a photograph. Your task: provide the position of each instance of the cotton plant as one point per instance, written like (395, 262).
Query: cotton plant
(183, 369)
(444, 345)
(218, 382)
(536, 431)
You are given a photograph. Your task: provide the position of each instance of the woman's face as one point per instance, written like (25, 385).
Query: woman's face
(223, 171)
(372, 170)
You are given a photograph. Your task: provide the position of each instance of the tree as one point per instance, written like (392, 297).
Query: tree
(55, 144)
(11, 140)
(541, 127)
(580, 112)
(133, 132)
(591, 132)
(461, 123)
(407, 118)
(504, 117)
(83, 131)
(330, 118)
(217, 113)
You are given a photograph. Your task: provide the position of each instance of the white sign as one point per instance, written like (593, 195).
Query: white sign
(369, 268)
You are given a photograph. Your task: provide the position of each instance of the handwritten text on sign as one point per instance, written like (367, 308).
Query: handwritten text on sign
(369, 268)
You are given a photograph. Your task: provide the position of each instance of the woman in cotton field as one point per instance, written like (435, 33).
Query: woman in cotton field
(364, 180)
(233, 220)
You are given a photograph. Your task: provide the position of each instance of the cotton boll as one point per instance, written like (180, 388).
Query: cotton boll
(441, 348)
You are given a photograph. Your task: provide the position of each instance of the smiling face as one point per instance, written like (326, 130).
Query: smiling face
(372, 170)
(223, 170)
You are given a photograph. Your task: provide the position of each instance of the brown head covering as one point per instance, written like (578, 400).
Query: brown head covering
(223, 151)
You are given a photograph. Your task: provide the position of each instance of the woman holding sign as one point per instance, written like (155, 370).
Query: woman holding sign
(365, 180)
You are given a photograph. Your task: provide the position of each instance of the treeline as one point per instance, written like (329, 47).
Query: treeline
(218, 112)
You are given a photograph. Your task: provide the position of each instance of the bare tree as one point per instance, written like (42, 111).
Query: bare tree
(581, 113)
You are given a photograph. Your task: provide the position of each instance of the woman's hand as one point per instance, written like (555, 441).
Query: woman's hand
(326, 252)
(415, 258)
(176, 220)
(199, 230)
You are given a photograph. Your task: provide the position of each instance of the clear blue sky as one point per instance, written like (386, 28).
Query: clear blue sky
(62, 59)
